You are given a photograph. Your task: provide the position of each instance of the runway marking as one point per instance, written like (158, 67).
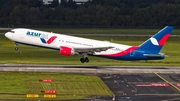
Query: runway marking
(167, 81)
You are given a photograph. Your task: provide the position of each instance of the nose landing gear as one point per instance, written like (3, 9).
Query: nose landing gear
(16, 46)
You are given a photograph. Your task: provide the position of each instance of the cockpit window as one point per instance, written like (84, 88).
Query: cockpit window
(12, 31)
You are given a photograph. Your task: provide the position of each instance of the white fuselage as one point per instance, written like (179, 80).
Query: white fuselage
(20, 36)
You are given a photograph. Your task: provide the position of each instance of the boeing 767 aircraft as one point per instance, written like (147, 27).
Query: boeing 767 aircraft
(70, 45)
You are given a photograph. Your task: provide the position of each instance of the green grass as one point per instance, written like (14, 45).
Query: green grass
(101, 31)
(34, 55)
(104, 31)
(15, 85)
(3, 31)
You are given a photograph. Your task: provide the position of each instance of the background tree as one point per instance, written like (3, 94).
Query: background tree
(95, 13)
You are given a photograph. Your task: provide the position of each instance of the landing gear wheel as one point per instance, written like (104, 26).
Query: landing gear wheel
(82, 60)
(16, 48)
(86, 59)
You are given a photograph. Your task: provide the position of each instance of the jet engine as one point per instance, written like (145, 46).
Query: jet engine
(67, 51)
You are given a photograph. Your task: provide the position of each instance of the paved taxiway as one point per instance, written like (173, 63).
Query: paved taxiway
(128, 83)
(89, 69)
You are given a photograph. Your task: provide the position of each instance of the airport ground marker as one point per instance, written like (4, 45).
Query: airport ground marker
(32, 95)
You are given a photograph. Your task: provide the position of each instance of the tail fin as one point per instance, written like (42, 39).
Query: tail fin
(156, 42)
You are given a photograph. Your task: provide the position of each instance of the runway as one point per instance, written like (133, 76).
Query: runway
(89, 69)
(128, 83)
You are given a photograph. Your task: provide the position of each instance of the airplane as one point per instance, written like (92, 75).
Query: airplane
(71, 45)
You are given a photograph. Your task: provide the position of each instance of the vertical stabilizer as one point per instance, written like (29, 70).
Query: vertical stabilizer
(156, 42)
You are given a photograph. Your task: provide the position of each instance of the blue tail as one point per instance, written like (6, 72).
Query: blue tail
(156, 42)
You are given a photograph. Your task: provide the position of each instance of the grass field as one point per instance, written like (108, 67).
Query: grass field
(34, 55)
(101, 31)
(104, 31)
(15, 85)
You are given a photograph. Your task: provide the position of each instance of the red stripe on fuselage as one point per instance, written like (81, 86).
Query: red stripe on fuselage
(127, 51)
(164, 39)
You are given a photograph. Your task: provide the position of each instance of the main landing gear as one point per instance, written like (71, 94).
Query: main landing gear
(16, 46)
(85, 58)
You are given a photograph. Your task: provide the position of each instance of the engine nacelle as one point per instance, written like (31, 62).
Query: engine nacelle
(67, 51)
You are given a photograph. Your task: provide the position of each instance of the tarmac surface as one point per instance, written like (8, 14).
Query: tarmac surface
(128, 83)
(89, 69)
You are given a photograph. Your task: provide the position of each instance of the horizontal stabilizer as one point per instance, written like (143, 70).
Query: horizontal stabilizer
(154, 56)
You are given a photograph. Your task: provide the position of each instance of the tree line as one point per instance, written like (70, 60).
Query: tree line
(94, 13)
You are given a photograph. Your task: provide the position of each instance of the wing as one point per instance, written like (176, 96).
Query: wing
(91, 50)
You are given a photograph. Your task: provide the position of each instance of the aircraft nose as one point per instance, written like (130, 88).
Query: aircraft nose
(7, 35)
